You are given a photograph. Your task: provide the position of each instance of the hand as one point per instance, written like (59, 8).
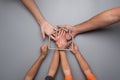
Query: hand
(62, 41)
(47, 29)
(72, 29)
(55, 36)
(60, 38)
(44, 50)
(73, 47)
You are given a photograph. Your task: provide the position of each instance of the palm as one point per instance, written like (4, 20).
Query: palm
(47, 29)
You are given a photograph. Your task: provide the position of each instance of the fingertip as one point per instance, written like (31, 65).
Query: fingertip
(52, 37)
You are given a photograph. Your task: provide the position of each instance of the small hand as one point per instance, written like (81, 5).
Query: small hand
(55, 36)
(47, 29)
(70, 28)
(44, 50)
(73, 47)
(60, 38)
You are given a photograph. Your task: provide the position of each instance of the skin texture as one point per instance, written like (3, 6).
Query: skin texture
(96, 22)
(54, 64)
(61, 43)
(30, 75)
(101, 20)
(46, 28)
(82, 62)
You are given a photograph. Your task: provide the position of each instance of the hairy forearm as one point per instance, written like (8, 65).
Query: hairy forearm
(32, 7)
(99, 21)
(65, 64)
(34, 69)
(83, 63)
(54, 64)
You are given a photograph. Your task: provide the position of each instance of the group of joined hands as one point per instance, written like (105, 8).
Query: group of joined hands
(61, 36)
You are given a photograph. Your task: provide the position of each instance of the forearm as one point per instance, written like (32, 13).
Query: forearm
(99, 21)
(65, 64)
(54, 64)
(83, 63)
(32, 7)
(34, 69)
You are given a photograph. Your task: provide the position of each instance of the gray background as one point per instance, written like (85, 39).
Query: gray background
(20, 38)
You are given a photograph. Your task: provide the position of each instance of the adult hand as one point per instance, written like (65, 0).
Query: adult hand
(44, 50)
(47, 29)
(70, 28)
(73, 47)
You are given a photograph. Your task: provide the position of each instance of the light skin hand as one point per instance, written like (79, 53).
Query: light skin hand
(60, 38)
(30, 75)
(44, 50)
(56, 36)
(73, 47)
(47, 29)
(61, 43)
(70, 28)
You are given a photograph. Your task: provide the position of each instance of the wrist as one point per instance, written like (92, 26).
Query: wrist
(61, 46)
(42, 22)
(75, 30)
(77, 53)
(42, 57)
(62, 51)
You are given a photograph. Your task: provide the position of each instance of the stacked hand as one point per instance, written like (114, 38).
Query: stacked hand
(60, 38)
(48, 29)
(70, 28)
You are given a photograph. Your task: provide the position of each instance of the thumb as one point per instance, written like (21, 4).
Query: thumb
(43, 35)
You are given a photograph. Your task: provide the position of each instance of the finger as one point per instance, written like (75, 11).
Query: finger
(61, 27)
(71, 44)
(52, 37)
(55, 29)
(58, 32)
(62, 32)
(68, 46)
(43, 35)
(54, 34)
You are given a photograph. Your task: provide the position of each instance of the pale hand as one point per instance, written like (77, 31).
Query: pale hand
(73, 47)
(47, 29)
(44, 50)
(71, 28)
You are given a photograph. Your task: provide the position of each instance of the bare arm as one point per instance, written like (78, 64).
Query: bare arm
(61, 43)
(84, 66)
(82, 62)
(30, 75)
(46, 28)
(54, 64)
(65, 64)
(32, 7)
(101, 20)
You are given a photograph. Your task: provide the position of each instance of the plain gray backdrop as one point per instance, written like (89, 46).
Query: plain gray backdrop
(20, 38)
